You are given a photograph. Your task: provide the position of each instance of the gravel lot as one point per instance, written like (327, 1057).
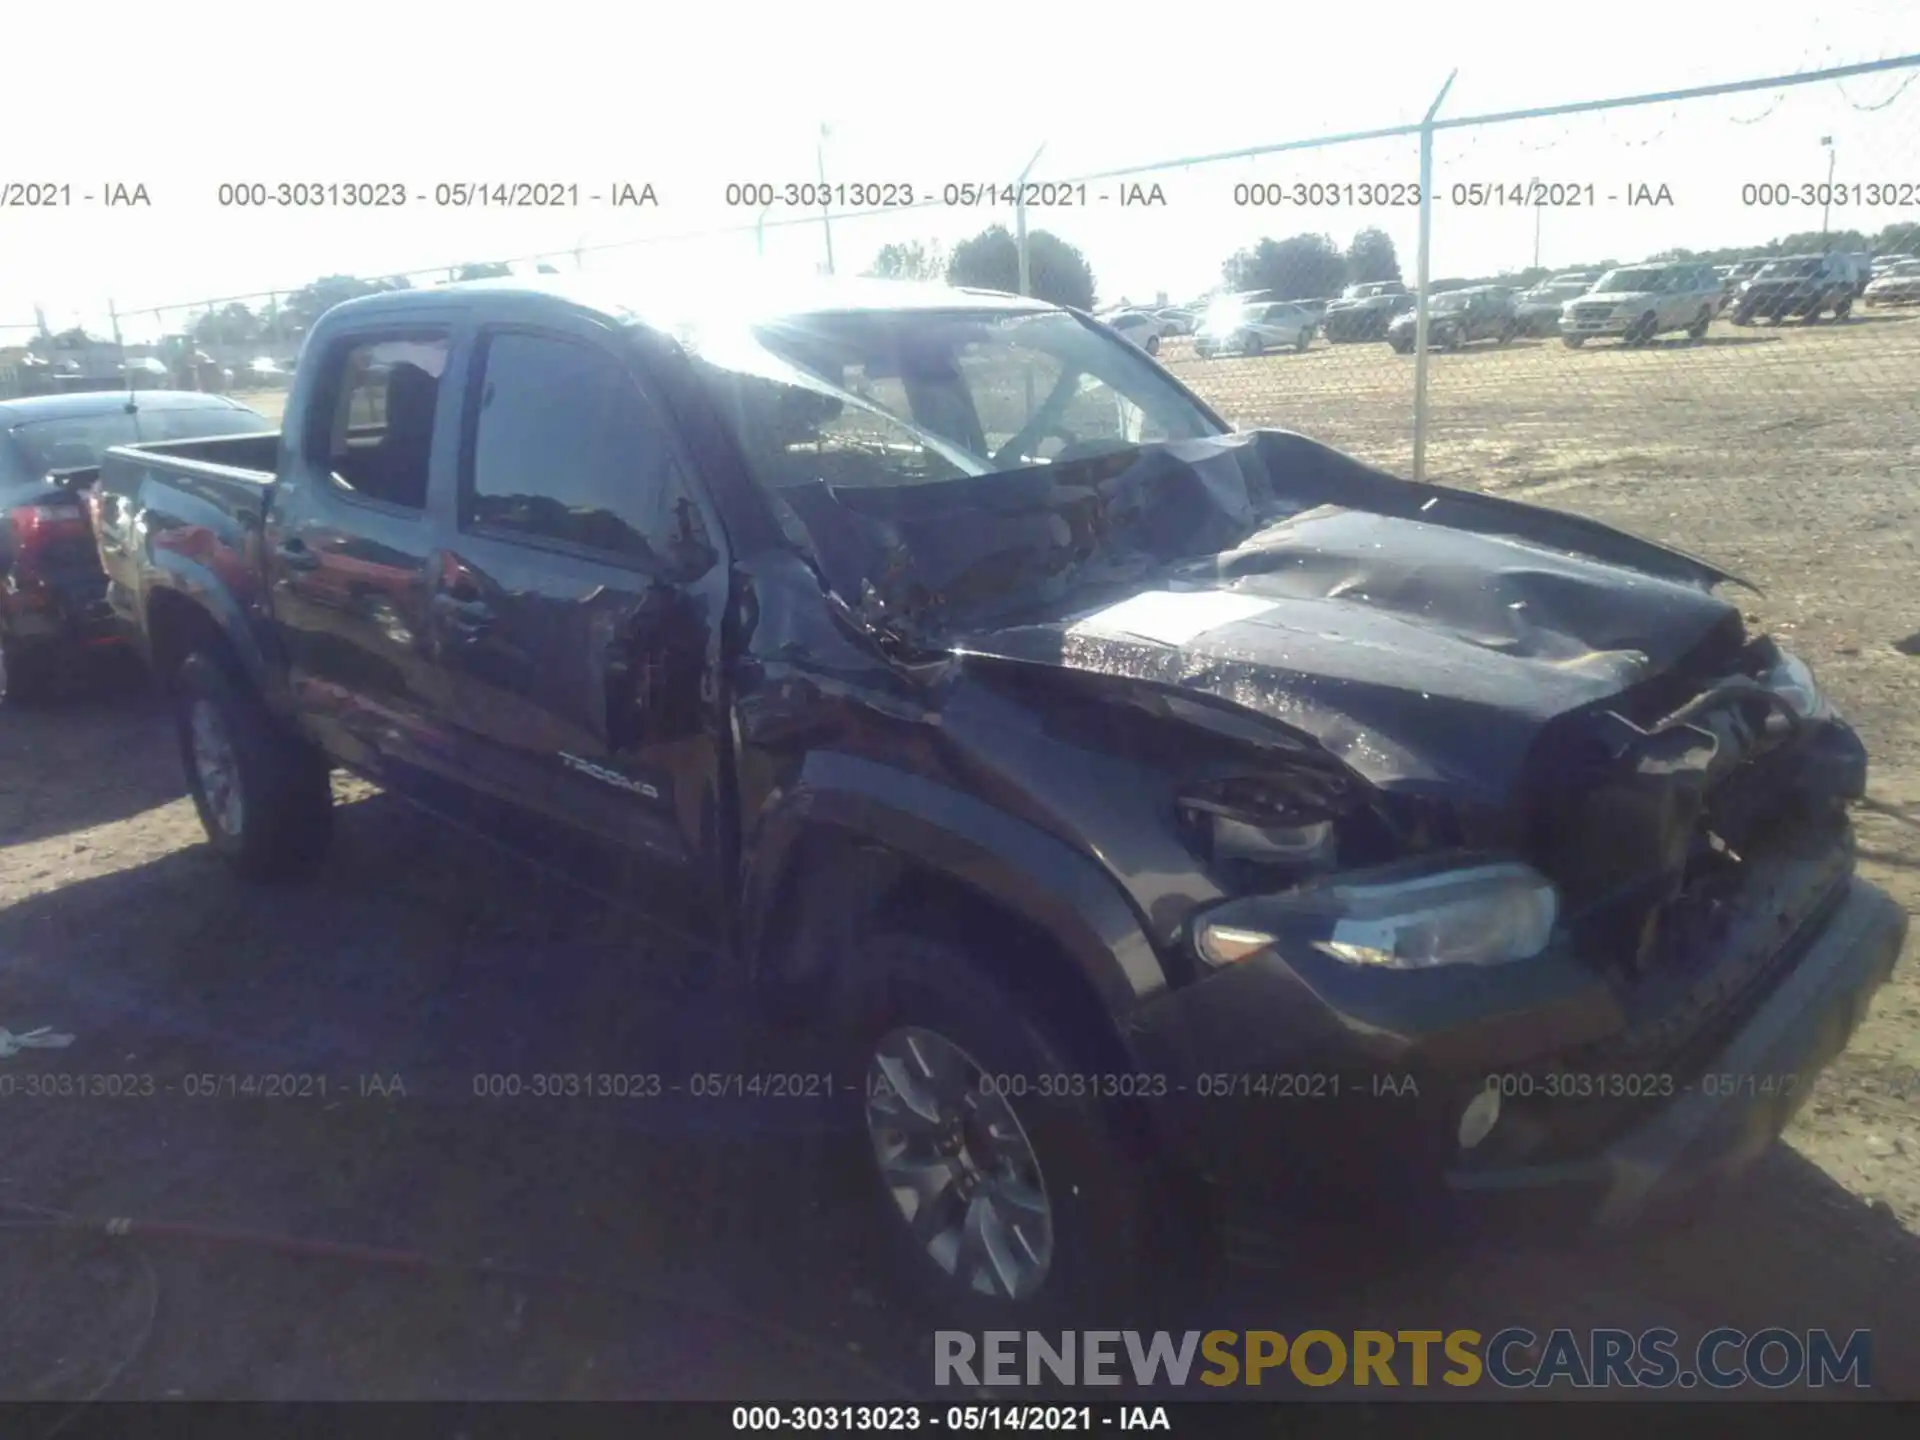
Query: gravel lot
(1790, 456)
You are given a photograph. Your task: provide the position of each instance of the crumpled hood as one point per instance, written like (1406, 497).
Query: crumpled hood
(1423, 635)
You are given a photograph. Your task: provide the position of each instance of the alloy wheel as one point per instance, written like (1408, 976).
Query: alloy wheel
(958, 1165)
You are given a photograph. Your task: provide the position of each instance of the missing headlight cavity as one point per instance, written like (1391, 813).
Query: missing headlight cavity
(1255, 821)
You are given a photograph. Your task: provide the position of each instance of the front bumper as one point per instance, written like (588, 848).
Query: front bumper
(1730, 1113)
(1616, 324)
(59, 611)
(1296, 1088)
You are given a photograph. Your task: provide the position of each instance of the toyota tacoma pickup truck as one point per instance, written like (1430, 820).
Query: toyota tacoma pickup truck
(1156, 827)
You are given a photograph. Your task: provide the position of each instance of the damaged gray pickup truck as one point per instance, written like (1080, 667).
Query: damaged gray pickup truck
(1153, 826)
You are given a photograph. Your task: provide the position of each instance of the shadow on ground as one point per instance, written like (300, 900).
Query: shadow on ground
(416, 966)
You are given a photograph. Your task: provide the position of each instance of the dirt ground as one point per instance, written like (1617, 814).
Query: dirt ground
(416, 962)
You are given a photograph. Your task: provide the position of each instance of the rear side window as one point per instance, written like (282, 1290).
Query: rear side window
(383, 396)
(71, 442)
(566, 448)
(200, 422)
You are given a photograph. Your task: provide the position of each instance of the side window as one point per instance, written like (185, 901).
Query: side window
(385, 394)
(566, 448)
(198, 422)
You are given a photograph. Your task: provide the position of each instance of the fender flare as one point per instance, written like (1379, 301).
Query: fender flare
(170, 572)
(1046, 882)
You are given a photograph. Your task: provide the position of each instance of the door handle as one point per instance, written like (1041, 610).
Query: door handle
(469, 617)
(295, 555)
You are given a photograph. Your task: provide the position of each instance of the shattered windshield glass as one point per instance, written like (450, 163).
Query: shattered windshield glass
(866, 399)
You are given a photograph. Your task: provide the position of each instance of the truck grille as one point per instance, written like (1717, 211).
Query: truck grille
(1591, 314)
(1765, 927)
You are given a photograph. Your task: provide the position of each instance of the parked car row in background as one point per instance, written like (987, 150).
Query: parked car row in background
(1632, 304)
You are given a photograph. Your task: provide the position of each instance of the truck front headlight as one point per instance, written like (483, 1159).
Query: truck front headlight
(1792, 679)
(1474, 914)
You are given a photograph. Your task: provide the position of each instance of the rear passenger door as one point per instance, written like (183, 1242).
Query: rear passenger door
(576, 610)
(347, 540)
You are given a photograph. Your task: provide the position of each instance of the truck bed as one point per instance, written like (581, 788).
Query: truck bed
(183, 512)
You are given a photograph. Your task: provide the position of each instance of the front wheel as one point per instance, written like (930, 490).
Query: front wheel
(1254, 347)
(1304, 339)
(1507, 332)
(1698, 330)
(1573, 342)
(1843, 309)
(264, 795)
(991, 1201)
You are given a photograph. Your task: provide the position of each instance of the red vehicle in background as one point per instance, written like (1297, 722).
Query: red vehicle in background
(52, 590)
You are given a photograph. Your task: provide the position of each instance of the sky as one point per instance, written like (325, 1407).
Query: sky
(183, 99)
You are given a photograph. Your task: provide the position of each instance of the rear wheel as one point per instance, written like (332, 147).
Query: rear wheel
(264, 795)
(1305, 339)
(1843, 309)
(1573, 342)
(1153, 344)
(1698, 330)
(990, 1203)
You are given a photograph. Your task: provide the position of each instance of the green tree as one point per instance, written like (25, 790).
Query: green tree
(311, 301)
(1301, 267)
(914, 260)
(232, 324)
(1371, 257)
(991, 261)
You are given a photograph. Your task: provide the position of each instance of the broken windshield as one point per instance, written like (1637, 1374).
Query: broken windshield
(883, 398)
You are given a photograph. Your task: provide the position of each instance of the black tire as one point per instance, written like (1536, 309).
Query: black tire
(1254, 347)
(1153, 344)
(1507, 332)
(1642, 331)
(1843, 309)
(285, 796)
(1573, 342)
(1698, 330)
(1111, 1214)
(1306, 339)
(26, 673)
(1743, 317)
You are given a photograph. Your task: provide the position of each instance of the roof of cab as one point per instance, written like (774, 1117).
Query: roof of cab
(105, 402)
(752, 300)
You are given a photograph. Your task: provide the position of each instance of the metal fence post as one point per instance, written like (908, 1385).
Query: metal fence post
(1424, 272)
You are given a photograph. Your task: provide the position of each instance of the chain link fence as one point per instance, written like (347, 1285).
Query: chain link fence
(1683, 283)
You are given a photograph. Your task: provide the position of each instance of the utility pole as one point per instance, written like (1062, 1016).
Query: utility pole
(1020, 221)
(826, 199)
(1826, 210)
(1538, 211)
